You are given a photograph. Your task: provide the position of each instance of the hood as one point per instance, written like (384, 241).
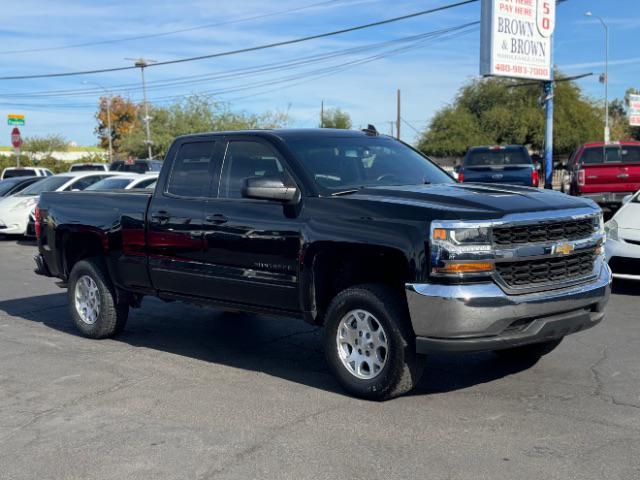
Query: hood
(628, 216)
(469, 200)
(17, 202)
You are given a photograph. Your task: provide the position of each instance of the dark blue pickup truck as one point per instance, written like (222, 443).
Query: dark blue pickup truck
(510, 164)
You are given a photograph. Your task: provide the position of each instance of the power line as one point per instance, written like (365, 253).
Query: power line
(251, 49)
(171, 32)
(410, 126)
(299, 78)
(238, 72)
(302, 77)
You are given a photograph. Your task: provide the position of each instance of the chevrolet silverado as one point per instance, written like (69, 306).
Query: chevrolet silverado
(354, 231)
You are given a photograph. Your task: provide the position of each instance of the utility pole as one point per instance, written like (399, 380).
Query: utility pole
(322, 114)
(607, 133)
(398, 117)
(391, 128)
(142, 63)
(109, 98)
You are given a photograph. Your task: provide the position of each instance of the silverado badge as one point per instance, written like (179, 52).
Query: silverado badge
(563, 248)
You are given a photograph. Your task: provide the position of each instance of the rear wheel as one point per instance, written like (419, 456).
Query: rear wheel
(369, 343)
(94, 306)
(529, 352)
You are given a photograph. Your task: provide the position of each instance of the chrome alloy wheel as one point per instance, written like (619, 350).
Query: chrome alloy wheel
(87, 299)
(362, 344)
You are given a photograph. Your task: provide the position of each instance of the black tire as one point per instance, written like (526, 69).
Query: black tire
(112, 315)
(529, 352)
(403, 367)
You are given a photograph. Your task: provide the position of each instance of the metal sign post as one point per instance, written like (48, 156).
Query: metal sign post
(16, 141)
(548, 134)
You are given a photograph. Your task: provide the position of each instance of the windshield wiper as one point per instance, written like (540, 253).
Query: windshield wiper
(346, 192)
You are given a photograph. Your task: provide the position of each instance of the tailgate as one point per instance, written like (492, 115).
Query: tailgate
(611, 177)
(512, 174)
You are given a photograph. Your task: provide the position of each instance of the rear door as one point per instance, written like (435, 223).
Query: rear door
(176, 214)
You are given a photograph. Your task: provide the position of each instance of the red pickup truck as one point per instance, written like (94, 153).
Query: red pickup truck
(604, 173)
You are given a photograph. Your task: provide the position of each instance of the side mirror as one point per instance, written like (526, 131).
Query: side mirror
(269, 188)
(456, 169)
(627, 199)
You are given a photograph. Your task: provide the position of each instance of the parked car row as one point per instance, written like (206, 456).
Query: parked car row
(130, 166)
(19, 195)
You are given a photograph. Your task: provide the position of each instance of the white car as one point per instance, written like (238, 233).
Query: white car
(623, 239)
(127, 181)
(11, 172)
(15, 210)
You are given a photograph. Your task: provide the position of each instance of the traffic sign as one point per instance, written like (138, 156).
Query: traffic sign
(15, 119)
(16, 139)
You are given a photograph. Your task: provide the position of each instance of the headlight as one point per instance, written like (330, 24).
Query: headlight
(611, 229)
(460, 251)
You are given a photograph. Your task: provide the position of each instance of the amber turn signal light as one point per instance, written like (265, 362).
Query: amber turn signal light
(439, 234)
(472, 267)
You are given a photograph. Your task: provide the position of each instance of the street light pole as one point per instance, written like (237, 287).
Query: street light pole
(141, 63)
(109, 98)
(607, 134)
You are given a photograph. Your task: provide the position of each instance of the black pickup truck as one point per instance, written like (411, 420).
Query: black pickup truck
(351, 230)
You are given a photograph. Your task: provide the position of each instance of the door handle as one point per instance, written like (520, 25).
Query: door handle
(217, 219)
(160, 217)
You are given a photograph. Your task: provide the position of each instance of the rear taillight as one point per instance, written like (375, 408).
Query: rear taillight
(36, 222)
(581, 178)
(535, 179)
(461, 176)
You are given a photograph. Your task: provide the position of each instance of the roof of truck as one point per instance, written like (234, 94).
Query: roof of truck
(611, 144)
(285, 133)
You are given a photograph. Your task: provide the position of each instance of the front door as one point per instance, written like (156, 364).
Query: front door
(176, 215)
(251, 246)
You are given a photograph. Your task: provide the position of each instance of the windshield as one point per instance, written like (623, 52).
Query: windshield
(624, 154)
(343, 163)
(112, 183)
(477, 158)
(86, 168)
(8, 185)
(139, 166)
(49, 184)
(19, 172)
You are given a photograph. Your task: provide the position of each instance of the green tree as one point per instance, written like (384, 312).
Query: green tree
(196, 114)
(501, 111)
(336, 118)
(44, 146)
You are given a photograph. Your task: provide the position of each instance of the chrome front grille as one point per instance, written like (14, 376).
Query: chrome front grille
(559, 269)
(543, 232)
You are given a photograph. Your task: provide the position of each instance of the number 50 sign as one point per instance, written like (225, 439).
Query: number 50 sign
(546, 17)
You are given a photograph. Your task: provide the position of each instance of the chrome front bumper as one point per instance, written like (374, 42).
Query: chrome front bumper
(481, 316)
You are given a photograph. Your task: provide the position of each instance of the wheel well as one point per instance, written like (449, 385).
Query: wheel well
(336, 269)
(77, 246)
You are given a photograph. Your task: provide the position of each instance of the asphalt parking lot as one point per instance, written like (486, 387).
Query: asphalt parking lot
(195, 393)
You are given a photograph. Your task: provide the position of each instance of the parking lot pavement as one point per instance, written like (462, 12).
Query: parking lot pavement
(195, 393)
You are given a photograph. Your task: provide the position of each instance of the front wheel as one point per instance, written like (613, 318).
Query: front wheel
(369, 343)
(94, 306)
(529, 352)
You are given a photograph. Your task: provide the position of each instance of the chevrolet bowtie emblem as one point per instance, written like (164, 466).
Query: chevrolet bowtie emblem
(563, 248)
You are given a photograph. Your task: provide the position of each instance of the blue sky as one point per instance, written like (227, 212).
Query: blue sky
(429, 74)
